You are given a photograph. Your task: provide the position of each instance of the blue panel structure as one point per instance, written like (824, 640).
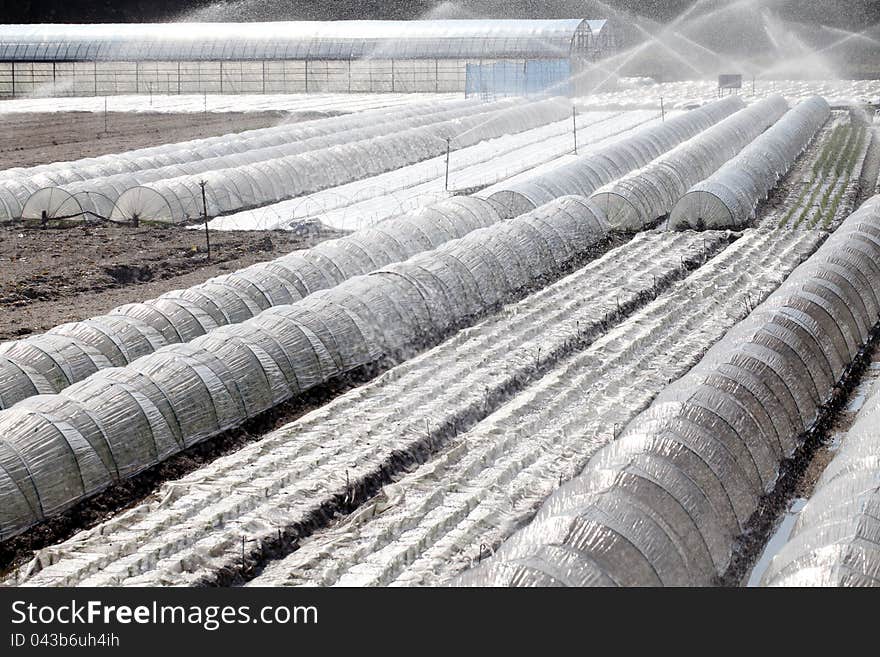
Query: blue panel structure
(532, 77)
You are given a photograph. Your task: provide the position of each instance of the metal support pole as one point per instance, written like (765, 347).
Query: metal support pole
(448, 142)
(662, 110)
(205, 215)
(574, 128)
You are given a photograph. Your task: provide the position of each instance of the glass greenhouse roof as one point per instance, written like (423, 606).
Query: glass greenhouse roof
(445, 39)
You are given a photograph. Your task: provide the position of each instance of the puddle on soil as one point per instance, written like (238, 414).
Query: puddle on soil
(777, 540)
(835, 440)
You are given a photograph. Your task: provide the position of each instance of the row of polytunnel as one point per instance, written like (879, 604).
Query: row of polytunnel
(637, 199)
(836, 539)
(256, 176)
(58, 449)
(113, 173)
(35, 190)
(50, 362)
(729, 197)
(237, 188)
(585, 175)
(666, 502)
(19, 182)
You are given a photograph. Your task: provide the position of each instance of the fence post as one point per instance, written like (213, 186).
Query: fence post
(202, 184)
(448, 141)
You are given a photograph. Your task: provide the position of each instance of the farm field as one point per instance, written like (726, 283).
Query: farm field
(646, 94)
(28, 139)
(222, 104)
(441, 340)
(55, 276)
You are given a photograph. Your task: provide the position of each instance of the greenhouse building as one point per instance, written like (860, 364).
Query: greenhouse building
(480, 56)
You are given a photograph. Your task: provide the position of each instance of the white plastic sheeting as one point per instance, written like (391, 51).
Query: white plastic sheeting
(300, 40)
(502, 476)
(238, 187)
(728, 198)
(116, 172)
(632, 202)
(666, 502)
(58, 449)
(642, 96)
(836, 538)
(191, 103)
(66, 354)
(58, 203)
(585, 175)
(364, 202)
(255, 157)
(251, 151)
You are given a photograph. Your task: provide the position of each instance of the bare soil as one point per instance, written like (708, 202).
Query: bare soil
(40, 138)
(57, 275)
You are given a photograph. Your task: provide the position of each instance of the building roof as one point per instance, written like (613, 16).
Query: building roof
(446, 39)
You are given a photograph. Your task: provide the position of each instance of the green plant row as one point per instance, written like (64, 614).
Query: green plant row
(846, 169)
(838, 158)
(831, 148)
(831, 145)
